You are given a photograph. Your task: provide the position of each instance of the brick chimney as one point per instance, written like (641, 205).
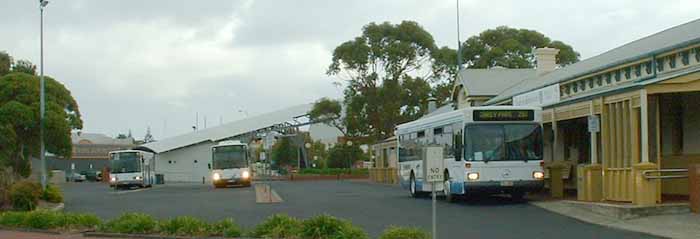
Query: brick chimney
(546, 60)
(432, 105)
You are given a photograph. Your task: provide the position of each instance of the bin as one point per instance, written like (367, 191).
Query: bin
(694, 187)
(160, 179)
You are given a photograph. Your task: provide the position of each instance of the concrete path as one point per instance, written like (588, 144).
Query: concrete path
(265, 194)
(673, 226)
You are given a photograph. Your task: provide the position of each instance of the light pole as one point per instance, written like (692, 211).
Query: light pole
(42, 103)
(349, 144)
(307, 145)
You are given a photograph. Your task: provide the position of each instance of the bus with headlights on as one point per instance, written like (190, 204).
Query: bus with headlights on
(129, 168)
(486, 150)
(230, 164)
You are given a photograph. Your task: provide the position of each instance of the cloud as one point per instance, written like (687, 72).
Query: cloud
(133, 64)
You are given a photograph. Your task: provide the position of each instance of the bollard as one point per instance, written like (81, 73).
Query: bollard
(694, 187)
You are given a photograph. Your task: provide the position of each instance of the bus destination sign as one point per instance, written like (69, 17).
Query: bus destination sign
(504, 115)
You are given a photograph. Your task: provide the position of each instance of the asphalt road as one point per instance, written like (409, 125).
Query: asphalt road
(373, 207)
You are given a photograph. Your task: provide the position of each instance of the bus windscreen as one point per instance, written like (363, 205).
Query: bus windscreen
(500, 142)
(127, 162)
(229, 157)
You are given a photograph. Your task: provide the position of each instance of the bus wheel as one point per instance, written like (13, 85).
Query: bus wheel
(447, 190)
(412, 187)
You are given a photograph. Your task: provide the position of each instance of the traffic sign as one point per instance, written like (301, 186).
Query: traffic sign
(434, 164)
(593, 124)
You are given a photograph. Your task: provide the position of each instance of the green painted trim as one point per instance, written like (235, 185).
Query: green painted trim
(614, 64)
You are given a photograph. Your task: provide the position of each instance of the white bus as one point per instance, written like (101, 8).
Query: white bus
(130, 168)
(491, 150)
(230, 164)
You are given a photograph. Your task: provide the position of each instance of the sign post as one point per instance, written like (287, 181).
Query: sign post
(434, 176)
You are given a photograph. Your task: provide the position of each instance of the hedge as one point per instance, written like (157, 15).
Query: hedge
(333, 171)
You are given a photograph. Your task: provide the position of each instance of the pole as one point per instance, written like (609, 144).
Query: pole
(42, 102)
(434, 212)
(459, 42)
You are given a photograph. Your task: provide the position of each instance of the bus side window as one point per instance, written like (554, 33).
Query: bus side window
(458, 145)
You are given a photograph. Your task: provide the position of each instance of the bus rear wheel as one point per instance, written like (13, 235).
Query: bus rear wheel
(413, 189)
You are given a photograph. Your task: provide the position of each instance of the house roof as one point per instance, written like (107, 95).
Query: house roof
(490, 82)
(95, 138)
(665, 40)
(228, 130)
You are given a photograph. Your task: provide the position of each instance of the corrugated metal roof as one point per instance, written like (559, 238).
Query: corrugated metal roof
(659, 42)
(229, 129)
(486, 82)
(95, 138)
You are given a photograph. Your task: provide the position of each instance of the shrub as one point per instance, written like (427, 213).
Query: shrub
(82, 221)
(133, 223)
(184, 226)
(394, 232)
(226, 228)
(325, 226)
(278, 226)
(24, 195)
(43, 219)
(52, 194)
(12, 219)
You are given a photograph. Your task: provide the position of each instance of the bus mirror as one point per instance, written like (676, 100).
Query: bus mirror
(209, 165)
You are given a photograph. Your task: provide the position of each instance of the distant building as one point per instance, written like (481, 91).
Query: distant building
(90, 152)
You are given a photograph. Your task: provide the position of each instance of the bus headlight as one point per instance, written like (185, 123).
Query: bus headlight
(473, 176)
(245, 174)
(216, 176)
(113, 179)
(538, 175)
(137, 178)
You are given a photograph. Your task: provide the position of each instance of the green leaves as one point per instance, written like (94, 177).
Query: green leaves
(20, 121)
(511, 48)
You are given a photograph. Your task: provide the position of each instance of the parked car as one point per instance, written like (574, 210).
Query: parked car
(92, 175)
(75, 177)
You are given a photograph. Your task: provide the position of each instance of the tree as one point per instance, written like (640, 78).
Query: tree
(19, 120)
(24, 66)
(148, 137)
(343, 156)
(330, 113)
(5, 63)
(284, 153)
(375, 64)
(511, 48)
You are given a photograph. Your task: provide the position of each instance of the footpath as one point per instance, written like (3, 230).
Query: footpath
(684, 225)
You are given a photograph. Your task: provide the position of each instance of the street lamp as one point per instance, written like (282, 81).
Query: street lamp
(307, 145)
(42, 103)
(349, 144)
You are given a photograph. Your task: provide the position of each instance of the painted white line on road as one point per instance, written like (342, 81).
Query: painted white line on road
(130, 191)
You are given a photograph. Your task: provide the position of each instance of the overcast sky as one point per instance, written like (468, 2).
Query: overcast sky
(134, 64)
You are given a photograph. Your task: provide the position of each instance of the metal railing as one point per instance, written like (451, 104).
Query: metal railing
(647, 173)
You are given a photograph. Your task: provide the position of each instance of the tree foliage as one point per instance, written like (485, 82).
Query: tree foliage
(284, 153)
(24, 66)
(19, 120)
(343, 156)
(511, 48)
(329, 112)
(5, 63)
(381, 62)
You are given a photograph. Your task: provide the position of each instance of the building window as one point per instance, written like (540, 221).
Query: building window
(685, 57)
(647, 66)
(421, 134)
(195, 161)
(599, 80)
(617, 75)
(628, 73)
(170, 162)
(672, 61)
(638, 70)
(660, 64)
(590, 83)
(608, 78)
(697, 54)
(437, 131)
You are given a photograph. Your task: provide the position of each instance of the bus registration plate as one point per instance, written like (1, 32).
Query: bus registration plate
(506, 183)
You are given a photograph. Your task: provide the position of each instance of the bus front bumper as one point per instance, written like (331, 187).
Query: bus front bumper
(127, 183)
(504, 186)
(232, 181)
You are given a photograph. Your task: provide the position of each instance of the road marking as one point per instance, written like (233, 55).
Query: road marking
(129, 191)
(265, 194)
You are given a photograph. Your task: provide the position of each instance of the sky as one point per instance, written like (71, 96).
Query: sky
(134, 64)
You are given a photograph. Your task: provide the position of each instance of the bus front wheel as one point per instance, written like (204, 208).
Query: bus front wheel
(446, 189)
(413, 189)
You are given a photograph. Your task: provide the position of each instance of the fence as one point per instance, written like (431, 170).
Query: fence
(384, 175)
